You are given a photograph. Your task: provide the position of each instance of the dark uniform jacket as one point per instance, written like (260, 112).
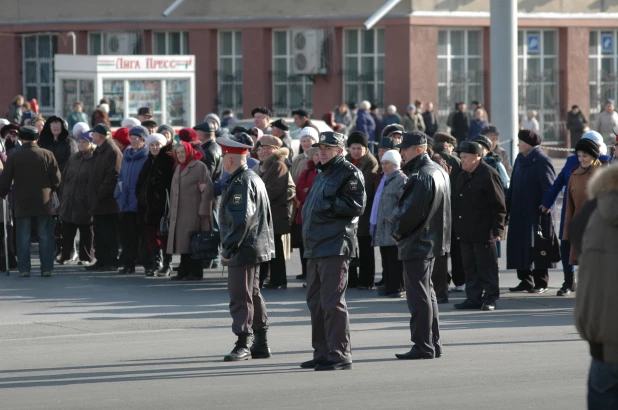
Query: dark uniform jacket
(212, 159)
(478, 205)
(330, 213)
(36, 175)
(73, 205)
(422, 227)
(106, 163)
(368, 165)
(245, 220)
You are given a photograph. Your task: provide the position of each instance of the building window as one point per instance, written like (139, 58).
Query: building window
(38, 69)
(115, 43)
(603, 72)
(229, 73)
(460, 69)
(538, 73)
(170, 43)
(290, 91)
(363, 66)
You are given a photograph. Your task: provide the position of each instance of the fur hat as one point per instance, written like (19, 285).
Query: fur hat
(269, 140)
(155, 137)
(358, 137)
(139, 131)
(596, 137)
(529, 137)
(439, 137)
(589, 147)
(130, 122)
(187, 135)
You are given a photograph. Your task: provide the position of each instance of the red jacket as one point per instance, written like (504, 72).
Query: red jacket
(305, 182)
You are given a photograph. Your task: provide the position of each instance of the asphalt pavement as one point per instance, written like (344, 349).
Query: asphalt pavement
(103, 341)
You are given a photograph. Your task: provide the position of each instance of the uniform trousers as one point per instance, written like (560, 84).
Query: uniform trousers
(365, 273)
(458, 274)
(106, 239)
(327, 281)
(392, 269)
(439, 276)
(482, 273)
(423, 307)
(534, 277)
(247, 305)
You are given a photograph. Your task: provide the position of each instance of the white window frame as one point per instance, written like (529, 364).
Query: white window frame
(38, 60)
(595, 79)
(466, 57)
(236, 107)
(525, 56)
(303, 82)
(184, 39)
(378, 84)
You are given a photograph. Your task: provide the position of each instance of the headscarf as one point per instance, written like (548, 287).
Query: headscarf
(191, 155)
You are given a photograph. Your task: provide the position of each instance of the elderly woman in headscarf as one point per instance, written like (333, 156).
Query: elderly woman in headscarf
(153, 188)
(303, 186)
(191, 201)
(190, 136)
(384, 209)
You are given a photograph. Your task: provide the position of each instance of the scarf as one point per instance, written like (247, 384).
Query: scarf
(373, 219)
(191, 155)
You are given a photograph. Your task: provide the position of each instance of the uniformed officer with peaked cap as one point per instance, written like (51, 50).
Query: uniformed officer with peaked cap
(246, 229)
(330, 217)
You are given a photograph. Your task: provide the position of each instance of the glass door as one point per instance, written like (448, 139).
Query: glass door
(113, 90)
(146, 93)
(77, 90)
(177, 102)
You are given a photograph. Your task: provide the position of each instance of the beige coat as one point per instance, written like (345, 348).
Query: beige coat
(190, 209)
(299, 164)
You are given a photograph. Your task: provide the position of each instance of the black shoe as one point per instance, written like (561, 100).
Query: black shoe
(564, 291)
(301, 277)
(163, 272)
(240, 351)
(489, 306)
(333, 366)
(396, 295)
(126, 270)
(177, 278)
(442, 301)
(259, 348)
(414, 354)
(96, 267)
(311, 364)
(467, 305)
(538, 290)
(176, 268)
(380, 283)
(522, 287)
(62, 261)
(273, 286)
(214, 265)
(191, 278)
(150, 272)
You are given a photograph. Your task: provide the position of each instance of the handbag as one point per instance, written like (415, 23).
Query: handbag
(546, 246)
(164, 223)
(205, 245)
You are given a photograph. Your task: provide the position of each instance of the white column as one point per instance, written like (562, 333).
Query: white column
(503, 80)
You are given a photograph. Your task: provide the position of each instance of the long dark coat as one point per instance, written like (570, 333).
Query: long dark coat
(74, 204)
(368, 165)
(533, 176)
(276, 178)
(153, 187)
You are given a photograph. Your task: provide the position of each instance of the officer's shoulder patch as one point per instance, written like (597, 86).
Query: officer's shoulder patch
(238, 180)
(350, 167)
(237, 199)
(354, 184)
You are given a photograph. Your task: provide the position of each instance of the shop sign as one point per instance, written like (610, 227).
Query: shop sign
(145, 63)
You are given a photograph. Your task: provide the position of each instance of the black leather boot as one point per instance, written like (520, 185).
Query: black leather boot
(240, 351)
(165, 269)
(259, 348)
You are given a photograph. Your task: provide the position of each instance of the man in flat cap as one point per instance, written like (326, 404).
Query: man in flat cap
(281, 130)
(301, 119)
(144, 114)
(330, 217)
(479, 212)
(34, 174)
(393, 131)
(261, 119)
(246, 229)
(422, 229)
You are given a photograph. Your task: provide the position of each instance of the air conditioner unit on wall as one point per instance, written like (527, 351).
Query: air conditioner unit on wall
(306, 48)
(120, 43)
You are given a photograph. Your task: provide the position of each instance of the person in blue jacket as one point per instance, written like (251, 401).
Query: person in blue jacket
(365, 122)
(561, 182)
(133, 160)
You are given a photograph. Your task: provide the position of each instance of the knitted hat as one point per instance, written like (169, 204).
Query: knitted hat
(130, 122)
(529, 137)
(596, 137)
(215, 117)
(139, 131)
(85, 135)
(309, 132)
(358, 137)
(122, 136)
(589, 147)
(79, 128)
(165, 127)
(187, 135)
(155, 137)
(392, 156)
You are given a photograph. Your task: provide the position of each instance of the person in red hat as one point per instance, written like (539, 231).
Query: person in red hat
(121, 138)
(189, 135)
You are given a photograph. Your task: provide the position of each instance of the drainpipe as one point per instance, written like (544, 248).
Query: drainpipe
(377, 16)
(72, 35)
(171, 8)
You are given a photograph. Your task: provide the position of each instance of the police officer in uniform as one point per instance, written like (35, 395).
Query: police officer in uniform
(330, 218)
(422, 229)
(246, 229)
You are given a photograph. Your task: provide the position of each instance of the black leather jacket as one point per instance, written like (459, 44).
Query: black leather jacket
(330, 213)
(245, 220)
(212, 159)
(422, 227)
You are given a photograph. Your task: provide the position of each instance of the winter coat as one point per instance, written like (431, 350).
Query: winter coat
(460, 125)
(478, 205)
(212, 159)
(190, 209)
(475, 128)
(303, 187)
(153, 187)
(76, 117)
(605, 124)
(561, 182)
(15, 113)
(287, 143)
(99, 117)
(390, 119)
(533, 176)
(387, 208)
(596, 303)
(576, 123)
(330, 213)
(106, 163)
(430, 119)
(495, 161)
(73, 204)
(506, 159)
(576, 196)
(422, 226)
(366, 124)
(455, 164)
(62, 148)
(299, 164)
(126, 188)
(368, 165)
(377, 133)
(245, 220)
(34, 174)
(345, 118)
(275, 177)
(413, 124)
